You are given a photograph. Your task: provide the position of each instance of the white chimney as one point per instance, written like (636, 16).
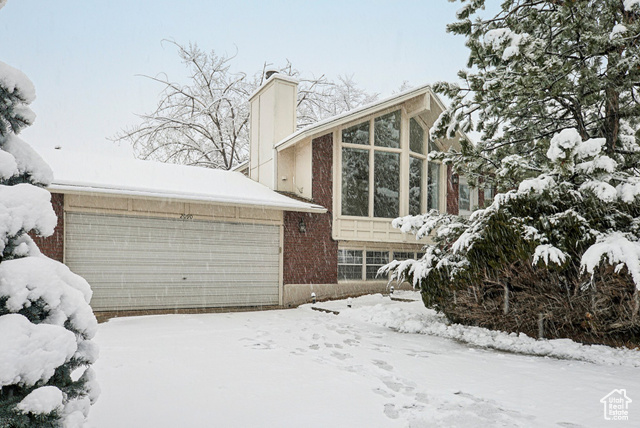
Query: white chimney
(273, 117)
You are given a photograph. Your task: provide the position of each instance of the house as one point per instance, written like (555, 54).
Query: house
(367, 167)
(312, 214)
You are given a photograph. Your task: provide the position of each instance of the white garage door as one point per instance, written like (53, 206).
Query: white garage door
(151, 263)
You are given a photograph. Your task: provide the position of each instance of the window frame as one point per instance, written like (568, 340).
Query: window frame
(372, 148)
(405, 153)
(473, 198)
(416, 254)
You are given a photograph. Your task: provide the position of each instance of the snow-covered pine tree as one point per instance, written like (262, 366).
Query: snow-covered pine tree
(552, 90)
(46, 323)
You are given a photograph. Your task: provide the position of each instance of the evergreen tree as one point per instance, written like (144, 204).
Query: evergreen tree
(552, 90)
(46, 323)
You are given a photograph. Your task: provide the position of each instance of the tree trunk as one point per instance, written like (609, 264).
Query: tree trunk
(612, 119)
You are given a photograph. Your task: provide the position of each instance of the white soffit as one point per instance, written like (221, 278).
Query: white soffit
(334, 121)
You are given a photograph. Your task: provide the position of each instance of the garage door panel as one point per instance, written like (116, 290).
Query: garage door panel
(203, 260)
(144, 263)
(140, 234)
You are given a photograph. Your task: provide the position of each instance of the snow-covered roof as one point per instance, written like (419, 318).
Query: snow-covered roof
(89, 172)
(241, 166)
(331, 122)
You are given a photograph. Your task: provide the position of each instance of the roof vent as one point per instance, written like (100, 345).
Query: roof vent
(269, 73)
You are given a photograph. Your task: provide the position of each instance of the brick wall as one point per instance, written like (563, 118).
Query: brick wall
(452, 193)
(311, 257)
(53, 246)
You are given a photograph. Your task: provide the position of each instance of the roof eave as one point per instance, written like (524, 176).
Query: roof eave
(332, 122)
(83, 190)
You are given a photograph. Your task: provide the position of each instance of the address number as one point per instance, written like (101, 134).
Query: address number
(186, 216)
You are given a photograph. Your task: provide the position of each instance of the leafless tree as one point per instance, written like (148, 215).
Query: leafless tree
(206, 121)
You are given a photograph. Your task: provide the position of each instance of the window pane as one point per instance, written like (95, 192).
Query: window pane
(416, 137)
(350, 257)
(415, 186)
(488, 195)
(358, 134)
(433, 187)
(387, 130)
(375, 260)
(464, 200)
(349, 264)
(355, 182)
(402, 255)
(349, 272)
(386, 196)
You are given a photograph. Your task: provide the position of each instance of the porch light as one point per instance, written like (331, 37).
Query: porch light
(455, 179)
(301, 226)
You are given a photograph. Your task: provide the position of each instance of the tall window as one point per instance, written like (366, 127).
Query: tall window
(489, 194)
(464, 198)
(365, 194)
(433, 187)
(374, 164)
(416, 167)
(415, 185)
(355, 182)
(467, 197)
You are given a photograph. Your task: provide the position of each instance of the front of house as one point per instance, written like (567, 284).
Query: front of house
(367, 167)
(313, 216)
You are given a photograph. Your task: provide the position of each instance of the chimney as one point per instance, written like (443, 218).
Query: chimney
(269, 73)
(273, 117)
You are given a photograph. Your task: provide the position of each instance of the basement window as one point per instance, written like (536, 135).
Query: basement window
(375, 260)
(359, 265)
(349, 264)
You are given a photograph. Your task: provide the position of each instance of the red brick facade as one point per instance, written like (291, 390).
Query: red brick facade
(311, 256)
(452, 192)
(53, 246)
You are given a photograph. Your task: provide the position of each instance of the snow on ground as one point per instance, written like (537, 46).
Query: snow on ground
(300, 367)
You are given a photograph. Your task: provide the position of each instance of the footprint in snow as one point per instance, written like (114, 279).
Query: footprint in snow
(382, 392)
(383, 365)
(422, 398)
(340, 355)
(390, 411)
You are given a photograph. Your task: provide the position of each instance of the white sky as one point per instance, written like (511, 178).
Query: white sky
(83, 56)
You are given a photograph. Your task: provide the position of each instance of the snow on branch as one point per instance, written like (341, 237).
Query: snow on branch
(617, 251)
(548, 253)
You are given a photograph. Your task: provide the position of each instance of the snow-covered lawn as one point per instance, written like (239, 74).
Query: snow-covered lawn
(304, 368)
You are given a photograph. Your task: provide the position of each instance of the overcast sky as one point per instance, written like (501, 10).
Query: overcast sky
(84, 56)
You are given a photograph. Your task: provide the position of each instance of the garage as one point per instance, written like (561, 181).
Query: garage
(167, 263)
(160, 237)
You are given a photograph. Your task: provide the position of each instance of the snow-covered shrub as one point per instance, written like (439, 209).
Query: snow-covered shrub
(552, 94)
(548, 245)
(46, 323)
